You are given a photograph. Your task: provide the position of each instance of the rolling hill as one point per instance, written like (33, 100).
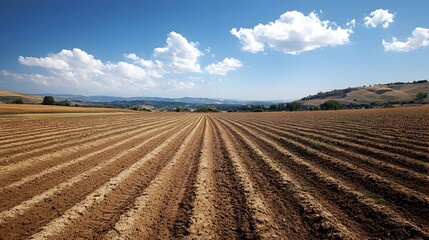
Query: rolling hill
(182, 100)
(395, 93)
(9, 97)
(380, 93)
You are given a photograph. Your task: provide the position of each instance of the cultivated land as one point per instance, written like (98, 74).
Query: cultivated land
(360, 174)
(33, 108)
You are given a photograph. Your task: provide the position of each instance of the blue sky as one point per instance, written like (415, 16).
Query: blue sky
(260, 50)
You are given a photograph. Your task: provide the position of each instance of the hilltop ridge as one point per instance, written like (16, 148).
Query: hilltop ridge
(396, 93)
(393, 93)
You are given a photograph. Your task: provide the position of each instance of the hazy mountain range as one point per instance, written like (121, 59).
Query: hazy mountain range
(398, 92)
(190, 100)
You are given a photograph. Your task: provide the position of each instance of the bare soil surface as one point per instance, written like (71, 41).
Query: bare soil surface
(37, 108)
(359, 174)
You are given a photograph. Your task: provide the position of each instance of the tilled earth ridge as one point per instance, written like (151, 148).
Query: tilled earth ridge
(360, 174)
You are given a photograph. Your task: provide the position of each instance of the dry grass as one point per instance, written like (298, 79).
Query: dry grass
(378, 94)
(8, 97)
(29, 108)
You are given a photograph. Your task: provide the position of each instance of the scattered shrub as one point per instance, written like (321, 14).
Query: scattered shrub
(330, 105)
(18, 101)
(314, 108)
(207, 109)
(48, 100)
(421, 96)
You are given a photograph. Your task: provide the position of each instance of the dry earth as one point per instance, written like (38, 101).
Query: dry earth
(37, 108)
(359, 174)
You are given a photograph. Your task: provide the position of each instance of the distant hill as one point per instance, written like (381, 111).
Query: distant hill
(102, 101)
(380, 93)
(394, 93)
(188, 100)
(9, 97)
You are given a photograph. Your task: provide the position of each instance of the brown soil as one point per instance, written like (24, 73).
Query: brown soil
(36, 108)
(304, 175)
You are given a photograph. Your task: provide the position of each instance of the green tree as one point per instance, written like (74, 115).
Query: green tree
(257, 108)
(330, 105)
(48, 100)
(314, 108)
(274, 107)
(296, 106)
(293, 106)
(18, 101)
(207, 109)
(421, 96)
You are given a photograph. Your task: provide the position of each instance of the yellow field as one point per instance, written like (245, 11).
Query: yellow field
(29, 108)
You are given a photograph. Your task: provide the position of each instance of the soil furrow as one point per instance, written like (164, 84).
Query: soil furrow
(374, 214)
(22, 153)
(203, 222)
(147, 219)
(69, 217)
(232, 216)
(408, 178)
(38, 141)
(382, 155)
(362, 138)
(358, 121)
(77, 148)
(377, 126)
(38, 138)
(322, 223)
(349, 174)
(35, 184)
(116, 143)
(54, 202)
(409, 205)
(264, 224)
(23, 172)
(22, 132)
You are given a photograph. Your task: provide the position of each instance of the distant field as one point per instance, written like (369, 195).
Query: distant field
(347, 174)
(29, 108)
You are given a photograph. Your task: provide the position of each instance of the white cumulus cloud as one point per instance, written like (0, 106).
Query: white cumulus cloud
(181, 55)
(379, 16)
(178, 56)
(419, 38)
(222, 68)
(180, 85)
(77, 69)
(131, 56)
(155, 67)
(293, 33)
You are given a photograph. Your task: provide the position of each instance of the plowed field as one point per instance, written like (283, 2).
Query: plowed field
(360, 174)
(36, 108)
